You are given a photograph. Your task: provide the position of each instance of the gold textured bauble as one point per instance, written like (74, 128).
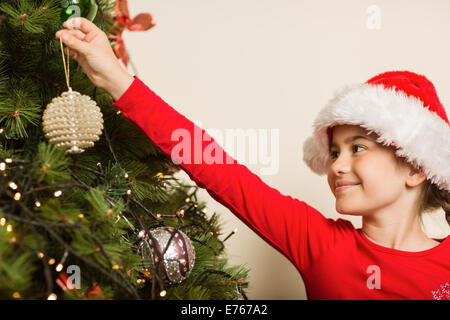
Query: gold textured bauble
(72, 122)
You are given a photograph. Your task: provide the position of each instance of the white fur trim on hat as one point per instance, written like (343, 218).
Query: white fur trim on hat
(422, 136)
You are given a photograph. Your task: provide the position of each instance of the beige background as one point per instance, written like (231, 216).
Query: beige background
(266, 64)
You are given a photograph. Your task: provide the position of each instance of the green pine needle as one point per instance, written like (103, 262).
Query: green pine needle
(53, 164)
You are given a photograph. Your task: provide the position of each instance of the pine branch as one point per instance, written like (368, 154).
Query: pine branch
(205, 274)
(90, 263)
(57, 86)
(57, 186)
(2, 19)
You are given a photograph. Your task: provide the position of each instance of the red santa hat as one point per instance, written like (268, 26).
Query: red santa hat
(403, 109)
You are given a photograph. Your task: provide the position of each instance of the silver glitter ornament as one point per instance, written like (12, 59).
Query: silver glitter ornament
(179, 258)
(72, 122)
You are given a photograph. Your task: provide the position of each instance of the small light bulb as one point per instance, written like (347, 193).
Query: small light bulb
(2, 221)
(163, 293)
(81, 216)
(2, 166)
(8, 160)
(58, 193)
(37, 204)
(188, 199)
(59, 267)
(16, 295)
(12, 185)
(160, 174)
(126, 175)
(180, 213)
(128, 192)
(115, 267)
(52, 297)
(9, 228)
(51, 261)
(17, 196)
(40, 255)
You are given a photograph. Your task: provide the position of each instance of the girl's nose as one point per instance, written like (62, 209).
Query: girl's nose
(342, 164)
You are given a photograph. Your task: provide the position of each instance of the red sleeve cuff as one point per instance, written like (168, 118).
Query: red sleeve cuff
(128, 98)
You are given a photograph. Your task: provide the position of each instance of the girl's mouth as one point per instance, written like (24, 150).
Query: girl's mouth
(345, 188)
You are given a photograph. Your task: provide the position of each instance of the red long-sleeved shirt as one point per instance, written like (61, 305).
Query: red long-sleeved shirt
(334, 259)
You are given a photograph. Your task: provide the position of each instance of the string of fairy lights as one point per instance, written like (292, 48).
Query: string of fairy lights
(191, 202)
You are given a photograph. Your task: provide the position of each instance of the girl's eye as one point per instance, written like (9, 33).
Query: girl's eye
(356, 146)
(333, 153)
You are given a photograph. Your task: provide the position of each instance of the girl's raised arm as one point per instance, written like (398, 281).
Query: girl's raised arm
(291, 226)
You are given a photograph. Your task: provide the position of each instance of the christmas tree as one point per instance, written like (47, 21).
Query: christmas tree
(109, 221)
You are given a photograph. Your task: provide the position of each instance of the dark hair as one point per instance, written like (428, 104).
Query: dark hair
(433, 198)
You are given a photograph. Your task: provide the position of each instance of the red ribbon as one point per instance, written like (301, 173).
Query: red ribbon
(95, 292)
(141, 22)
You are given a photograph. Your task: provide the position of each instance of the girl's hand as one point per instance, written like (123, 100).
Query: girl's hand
(90, 47)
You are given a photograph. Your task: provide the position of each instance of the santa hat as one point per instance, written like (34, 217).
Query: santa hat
(403, 108)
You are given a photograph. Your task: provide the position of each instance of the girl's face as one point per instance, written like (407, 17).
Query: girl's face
(373, 168)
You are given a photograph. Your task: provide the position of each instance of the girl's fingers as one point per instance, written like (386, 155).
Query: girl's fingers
(79, 33)
(82, 24)
(76, 33)
(73, 42)
(71, 53)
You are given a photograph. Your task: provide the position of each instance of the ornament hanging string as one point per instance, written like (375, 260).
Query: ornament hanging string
(66, 68)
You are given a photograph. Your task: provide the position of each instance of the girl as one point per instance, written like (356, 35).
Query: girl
(384, 146)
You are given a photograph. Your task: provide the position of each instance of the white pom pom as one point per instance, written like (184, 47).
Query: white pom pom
(311, 156)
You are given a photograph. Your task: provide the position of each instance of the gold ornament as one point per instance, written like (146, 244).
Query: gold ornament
(72, 121)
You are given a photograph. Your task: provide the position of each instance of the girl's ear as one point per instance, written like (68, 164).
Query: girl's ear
(415, 177)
